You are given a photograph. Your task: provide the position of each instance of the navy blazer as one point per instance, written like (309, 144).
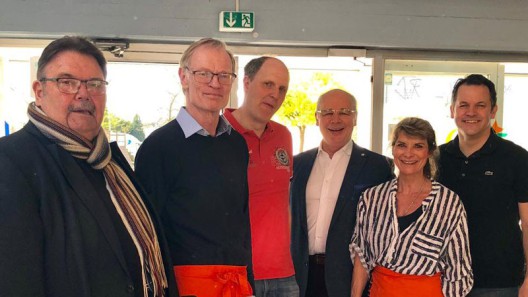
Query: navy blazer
(365, 169)
(55, 238)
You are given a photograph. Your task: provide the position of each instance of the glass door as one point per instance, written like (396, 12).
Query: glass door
(423, 89)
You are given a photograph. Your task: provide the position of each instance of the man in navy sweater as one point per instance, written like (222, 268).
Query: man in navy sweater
(195, 168)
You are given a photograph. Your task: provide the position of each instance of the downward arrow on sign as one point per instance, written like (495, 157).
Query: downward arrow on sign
(231, 22)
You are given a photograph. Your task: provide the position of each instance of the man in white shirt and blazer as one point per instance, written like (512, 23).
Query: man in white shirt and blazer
(326, 185)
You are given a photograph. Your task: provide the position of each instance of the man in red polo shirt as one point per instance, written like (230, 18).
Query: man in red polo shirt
(266, 82)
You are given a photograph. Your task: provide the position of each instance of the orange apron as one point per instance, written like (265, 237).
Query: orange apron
(387, 283)
(212, 280)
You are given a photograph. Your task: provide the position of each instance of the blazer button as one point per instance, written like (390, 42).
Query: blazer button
(130, 288)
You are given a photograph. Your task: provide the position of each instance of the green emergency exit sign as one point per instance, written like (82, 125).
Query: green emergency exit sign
(237, 21)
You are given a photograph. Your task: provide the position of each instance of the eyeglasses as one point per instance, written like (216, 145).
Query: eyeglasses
(72, 85)
(343, 112)
(206, 77)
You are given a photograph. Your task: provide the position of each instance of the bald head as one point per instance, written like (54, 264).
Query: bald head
(266, 81)
(336, 93)
(336, 118)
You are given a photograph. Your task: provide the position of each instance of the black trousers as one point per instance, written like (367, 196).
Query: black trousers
(316, 286)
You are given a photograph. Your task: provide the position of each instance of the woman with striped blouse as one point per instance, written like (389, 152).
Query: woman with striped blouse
(411, 233)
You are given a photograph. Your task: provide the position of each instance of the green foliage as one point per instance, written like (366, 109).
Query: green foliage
(297, 110)
(299, 106)
(136, 128)
(114, 123)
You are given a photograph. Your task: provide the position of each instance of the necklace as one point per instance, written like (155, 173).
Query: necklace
(414, 198)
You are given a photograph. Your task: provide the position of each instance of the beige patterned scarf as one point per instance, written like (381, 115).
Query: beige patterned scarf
(125, 198)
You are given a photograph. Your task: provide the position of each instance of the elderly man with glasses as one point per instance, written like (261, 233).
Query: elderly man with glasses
(195, 169)
(325, 188)
(73, 220)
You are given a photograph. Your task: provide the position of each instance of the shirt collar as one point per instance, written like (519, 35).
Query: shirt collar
(346, 149)
(240, 129)
(435, 187)
(190, 126)
(228, 113)
(489, 146)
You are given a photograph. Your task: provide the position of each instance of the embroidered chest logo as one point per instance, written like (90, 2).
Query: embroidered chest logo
(282, 157)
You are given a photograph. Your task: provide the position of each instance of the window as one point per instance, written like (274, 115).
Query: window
(423, 89)
(141, 97)
(144, 91)
(17, 69)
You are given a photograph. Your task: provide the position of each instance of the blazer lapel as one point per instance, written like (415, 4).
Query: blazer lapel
(76, 179)
(305, 169)
(355, 166)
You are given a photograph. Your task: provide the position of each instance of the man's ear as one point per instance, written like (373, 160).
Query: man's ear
(38, 89)
(247, 80)
(184, 80)
(494, 111)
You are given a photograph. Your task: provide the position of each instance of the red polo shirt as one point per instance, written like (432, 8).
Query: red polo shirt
(269, 171)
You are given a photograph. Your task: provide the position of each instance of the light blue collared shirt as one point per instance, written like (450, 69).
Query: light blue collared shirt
(190, 126)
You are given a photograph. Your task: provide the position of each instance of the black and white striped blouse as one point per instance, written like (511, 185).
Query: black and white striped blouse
(436, 242)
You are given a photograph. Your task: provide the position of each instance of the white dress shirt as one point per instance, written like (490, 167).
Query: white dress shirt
(322, 191)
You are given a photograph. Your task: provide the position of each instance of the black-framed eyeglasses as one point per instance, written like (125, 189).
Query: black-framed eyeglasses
(72, 85)
(201, 76)
(328, 113)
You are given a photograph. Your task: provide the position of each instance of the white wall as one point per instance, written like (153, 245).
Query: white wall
(475, 25)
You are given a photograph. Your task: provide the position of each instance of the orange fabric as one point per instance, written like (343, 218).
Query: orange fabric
(387, 283)
(212, 280)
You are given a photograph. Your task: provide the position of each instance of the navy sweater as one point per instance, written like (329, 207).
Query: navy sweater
(199, 188)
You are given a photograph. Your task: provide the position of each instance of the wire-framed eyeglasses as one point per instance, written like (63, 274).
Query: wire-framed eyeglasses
(72, 85)
(202, 76)
(343, 112)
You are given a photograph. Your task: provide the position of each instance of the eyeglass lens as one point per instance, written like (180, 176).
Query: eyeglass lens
(339, 112)
(71, 86)
(207, 76)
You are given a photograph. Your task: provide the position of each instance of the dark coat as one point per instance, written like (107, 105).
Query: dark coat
(365, 169)
(55, 238)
